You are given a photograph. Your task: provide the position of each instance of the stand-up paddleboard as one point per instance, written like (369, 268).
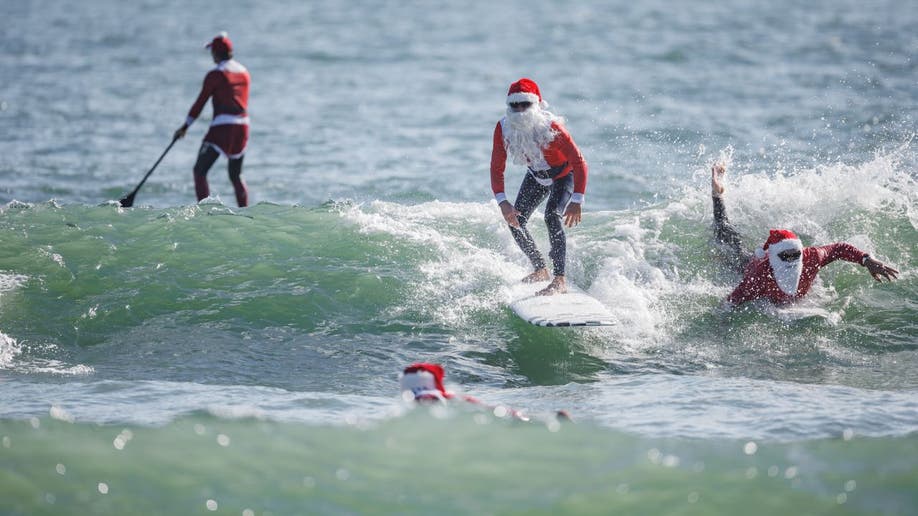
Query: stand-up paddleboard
(573, 308)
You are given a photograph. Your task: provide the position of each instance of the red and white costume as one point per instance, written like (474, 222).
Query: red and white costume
(559, 151)
(425, 382)
(228, 86)
(763, 274)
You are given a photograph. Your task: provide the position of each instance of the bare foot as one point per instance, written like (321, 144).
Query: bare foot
(537, 276)
(557, 286)
(718, 172)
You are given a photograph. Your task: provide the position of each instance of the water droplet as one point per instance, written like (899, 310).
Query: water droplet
(60, 414)
(750, 448)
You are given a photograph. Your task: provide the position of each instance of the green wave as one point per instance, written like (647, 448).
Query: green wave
(437, 462)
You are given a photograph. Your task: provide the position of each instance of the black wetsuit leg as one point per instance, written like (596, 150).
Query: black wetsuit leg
(727, 237)
(531, 195)
(235, 176)
(561, 192)
(206, 158)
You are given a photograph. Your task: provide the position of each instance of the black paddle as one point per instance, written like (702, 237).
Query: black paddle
(128, 200)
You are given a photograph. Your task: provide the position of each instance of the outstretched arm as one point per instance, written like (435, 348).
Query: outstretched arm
(845, 251)
(724, 232)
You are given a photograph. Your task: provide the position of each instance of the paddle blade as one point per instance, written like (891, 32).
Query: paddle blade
(128, 200)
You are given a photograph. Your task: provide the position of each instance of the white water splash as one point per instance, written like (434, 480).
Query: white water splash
(9, 350)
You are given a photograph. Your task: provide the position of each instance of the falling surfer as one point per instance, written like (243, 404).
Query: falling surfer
(782, 270)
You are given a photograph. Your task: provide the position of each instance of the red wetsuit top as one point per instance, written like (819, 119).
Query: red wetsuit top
(758, 280)
(562, 149)
(228, 87)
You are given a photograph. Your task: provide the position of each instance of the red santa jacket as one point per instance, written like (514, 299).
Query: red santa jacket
(228, 84)
(758, 280)
(561, 149)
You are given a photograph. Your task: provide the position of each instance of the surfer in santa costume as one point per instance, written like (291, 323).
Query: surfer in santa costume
(228, 87)
(534, 137)
(782, 270)
(423, 383)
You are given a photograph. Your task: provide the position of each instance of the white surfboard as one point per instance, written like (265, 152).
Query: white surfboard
(573, 308)
(794, 313)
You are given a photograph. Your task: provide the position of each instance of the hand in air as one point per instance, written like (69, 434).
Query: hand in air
(510, 214)
(879, 271)
(718, 172)
(572, 215)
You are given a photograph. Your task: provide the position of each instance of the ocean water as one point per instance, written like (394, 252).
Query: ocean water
(198, 358)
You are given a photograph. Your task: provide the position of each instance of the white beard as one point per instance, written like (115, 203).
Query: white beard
(527, 133)
(787, 274)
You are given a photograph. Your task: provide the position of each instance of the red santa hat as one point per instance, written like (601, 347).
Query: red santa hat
(524, 90)
(425, 381)
(221, 43)
(779, 240)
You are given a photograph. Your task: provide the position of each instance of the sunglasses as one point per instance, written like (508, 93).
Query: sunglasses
(520, 105)
(789, 256)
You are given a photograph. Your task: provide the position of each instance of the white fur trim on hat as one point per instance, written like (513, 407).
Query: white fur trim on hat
(422, 384)
(424, 380)
(784, 245)
(523, 97)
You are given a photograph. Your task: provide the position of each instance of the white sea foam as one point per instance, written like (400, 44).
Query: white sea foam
(625, 258)
(9, 349)
(11, 281)
(13, 357)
